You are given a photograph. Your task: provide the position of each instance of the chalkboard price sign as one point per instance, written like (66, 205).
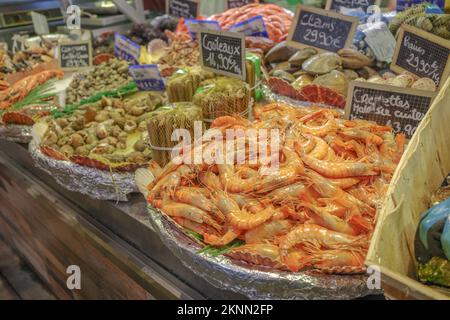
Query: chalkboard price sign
(223, 52)
(237, 3)
(183, 8)
(322, 29)
(335, 5)
(400, 108)
(422, 54)
(75, 55)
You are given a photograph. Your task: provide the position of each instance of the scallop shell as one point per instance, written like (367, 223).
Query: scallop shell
(424, 84)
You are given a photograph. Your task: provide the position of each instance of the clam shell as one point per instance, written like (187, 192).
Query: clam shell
(280, 52)
(301, 56)
(352, 59)
(284, 75)
(334, 80)
(322, 63)
(302, 80)
(350, 74)
(284, 66)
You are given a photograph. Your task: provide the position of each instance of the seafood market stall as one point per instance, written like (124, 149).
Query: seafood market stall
(251, 153)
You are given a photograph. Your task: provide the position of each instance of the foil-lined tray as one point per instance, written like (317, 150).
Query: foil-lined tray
(15, 133)
(252, 281)
(98, 184)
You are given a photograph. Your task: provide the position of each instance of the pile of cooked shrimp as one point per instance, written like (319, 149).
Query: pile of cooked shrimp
(315, 209)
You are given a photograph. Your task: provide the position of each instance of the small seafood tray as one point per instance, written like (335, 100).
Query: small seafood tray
(252, 281)
(425, 164)
(95, 183)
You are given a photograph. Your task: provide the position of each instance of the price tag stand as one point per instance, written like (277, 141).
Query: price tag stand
(75, 55)
(400, 108)
(321, 29)
(422, 54)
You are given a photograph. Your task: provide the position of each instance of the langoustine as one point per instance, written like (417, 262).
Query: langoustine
(316, 211)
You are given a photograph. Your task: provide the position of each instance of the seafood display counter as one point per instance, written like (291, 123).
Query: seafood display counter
(113, 244)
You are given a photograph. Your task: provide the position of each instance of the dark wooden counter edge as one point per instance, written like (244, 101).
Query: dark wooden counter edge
(132, 244)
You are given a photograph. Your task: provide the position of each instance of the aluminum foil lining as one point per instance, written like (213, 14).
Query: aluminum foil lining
(98, 184)
(15, 133)
(272, 97)
(252, 281)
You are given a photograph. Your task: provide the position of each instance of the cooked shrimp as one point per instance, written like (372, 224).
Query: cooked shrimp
(195, 197)
(340, 169)
(268, 231)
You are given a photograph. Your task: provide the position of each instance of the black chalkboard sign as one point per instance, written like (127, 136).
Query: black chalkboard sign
(75, 55)
(321, 29)
(183, 8)
(335, 5)
(237, 3)
(400, 108)
(422, 54)
(223, 52)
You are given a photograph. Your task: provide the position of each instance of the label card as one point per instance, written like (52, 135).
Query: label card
(253, 27)
(126, 49)
(321, 29)
(194, 26)
(335, 5)
(188, 9)
(75, 55)
(147, 77)
(40, 23)
(400, 108)
(229, 4)
(223, 52)
(423, 54)
(406, 4)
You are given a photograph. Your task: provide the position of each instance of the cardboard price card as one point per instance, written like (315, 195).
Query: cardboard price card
(336, 5)
(422, 54)
(322, 29)
(253, 27)
(147, 77)
(75, 55)
(183, 8)
(126, 49)
(400, 108)
(223, 52)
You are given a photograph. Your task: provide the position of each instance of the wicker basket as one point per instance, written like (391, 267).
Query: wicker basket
(421, 171)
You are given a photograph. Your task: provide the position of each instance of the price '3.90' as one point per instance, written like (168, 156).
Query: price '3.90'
(421, 65)
(397, 126)
(321, 38)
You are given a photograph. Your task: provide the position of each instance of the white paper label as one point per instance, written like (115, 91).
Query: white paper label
(40, 23)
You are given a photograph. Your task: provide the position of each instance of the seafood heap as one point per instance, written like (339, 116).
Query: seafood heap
(182, 52)
(404, 80)
(277, 20)
(109, 75)
(316, 77)
(24, 60)
(28, 99)
(142, 33)
(108, 134)
(438, 24)
(316, 211)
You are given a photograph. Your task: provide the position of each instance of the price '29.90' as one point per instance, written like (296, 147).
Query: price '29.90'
(322, 38)
(420, 65)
